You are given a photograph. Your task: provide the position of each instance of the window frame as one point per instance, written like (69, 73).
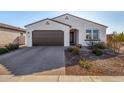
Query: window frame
(97, 34)
(88, 34)
(92, 35)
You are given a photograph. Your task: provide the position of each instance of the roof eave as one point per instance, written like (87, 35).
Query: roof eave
(36, 22)
(47, 19)
(6, 26)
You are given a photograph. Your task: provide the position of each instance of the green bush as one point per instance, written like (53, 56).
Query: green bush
(97, 52)
(11, 47)
(3, 50)
(70, 49)
(84, 64)
(75, 51)
(100, 45)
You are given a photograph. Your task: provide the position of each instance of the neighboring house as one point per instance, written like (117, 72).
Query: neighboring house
(11, 34)
(64, 30)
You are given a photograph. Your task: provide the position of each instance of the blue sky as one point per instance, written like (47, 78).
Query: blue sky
(114, 20)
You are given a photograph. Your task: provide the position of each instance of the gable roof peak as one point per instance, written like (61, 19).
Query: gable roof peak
(48, 19)
(66, 14)
(81, 19)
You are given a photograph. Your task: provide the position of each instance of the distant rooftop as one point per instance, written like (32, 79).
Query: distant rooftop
(11, 27)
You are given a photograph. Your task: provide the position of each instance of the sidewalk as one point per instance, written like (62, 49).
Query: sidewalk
(60, 78)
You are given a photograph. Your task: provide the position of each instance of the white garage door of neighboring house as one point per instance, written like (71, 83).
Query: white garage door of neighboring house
(48, 38)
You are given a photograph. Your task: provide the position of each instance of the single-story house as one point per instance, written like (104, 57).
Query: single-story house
(64, 30)
(11, 34)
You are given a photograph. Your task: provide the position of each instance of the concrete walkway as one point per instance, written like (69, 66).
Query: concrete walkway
(60, 78)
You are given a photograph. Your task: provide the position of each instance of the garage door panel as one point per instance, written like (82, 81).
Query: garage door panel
(48, 38)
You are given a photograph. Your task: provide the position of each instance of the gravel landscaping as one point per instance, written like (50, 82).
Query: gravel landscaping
(109, 64)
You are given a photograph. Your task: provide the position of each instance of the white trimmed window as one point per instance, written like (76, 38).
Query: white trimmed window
(95, 34)
(88, 34)
(92, 34)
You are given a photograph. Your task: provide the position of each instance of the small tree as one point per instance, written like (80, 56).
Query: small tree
(116, 41)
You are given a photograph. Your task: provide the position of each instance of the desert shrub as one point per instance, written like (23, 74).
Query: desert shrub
(3, 50)
(75, 51)
(11, 47)
(97, 52)
(69, 49)
(100, 45)
(84, 64)
(79, 45)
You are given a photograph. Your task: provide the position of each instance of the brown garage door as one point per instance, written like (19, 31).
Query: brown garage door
(48, 38)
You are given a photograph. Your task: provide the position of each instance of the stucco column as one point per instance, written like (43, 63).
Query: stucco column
(80, 37)
(67, 38)
(29, 38)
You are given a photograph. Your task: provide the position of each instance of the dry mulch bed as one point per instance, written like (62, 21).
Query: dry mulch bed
(4, 70)
(105, 65)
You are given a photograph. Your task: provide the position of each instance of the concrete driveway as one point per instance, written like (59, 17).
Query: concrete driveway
(31, 60)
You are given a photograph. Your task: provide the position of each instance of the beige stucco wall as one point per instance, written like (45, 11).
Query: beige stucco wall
(9, 36)
(44, 26)
(82, 26)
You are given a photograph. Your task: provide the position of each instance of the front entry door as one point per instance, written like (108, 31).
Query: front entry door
(72, 38)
